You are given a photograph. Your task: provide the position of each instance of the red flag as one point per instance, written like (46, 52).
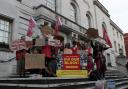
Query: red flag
(58, 25)
(32, 24)
(106, 37)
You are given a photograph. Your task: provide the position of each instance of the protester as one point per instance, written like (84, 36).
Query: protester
(20, 57)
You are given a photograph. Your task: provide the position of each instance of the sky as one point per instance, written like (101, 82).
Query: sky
(118, 10)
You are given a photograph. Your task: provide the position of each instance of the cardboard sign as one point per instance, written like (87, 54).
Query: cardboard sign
(67, 51)
(92, 33)
(34, 61)
(39, 42)
(71, 62)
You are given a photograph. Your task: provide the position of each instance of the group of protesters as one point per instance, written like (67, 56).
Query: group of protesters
(91, 55)
(91, 58)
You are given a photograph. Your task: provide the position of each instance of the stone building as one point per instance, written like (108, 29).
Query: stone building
(126, 43)
(76, 15)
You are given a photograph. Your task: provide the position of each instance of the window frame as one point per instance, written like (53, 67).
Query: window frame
(89, 20)
(73, 12)
(4, 46)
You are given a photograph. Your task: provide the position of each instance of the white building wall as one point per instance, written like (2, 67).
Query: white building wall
(102, 17)
(119, 40)
(84, 6)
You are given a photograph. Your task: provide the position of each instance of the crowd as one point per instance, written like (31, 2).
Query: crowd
(91, 55)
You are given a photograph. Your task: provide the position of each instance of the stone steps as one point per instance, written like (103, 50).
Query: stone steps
(35, 85)
(57, 83)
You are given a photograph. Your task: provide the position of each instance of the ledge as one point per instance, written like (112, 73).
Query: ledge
(116, 27)
(102, 8)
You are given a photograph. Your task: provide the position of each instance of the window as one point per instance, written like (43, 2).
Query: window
(49, 3)
(113, 31)
(117, 34)
(123, 49)
(73, 12)
(4, 31)
(121, 38)
(115, 46)
(89, 21)
(119, 46)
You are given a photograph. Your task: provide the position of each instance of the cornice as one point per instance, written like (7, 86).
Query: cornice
(102, 8)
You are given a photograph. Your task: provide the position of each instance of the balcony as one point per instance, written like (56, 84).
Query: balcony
(43, 12)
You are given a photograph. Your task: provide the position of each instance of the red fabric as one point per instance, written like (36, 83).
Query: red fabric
(57, 26)
(106, 37)
(90, 64)
(89, 51)
(31, 25)
(20, 54)
(74, 50)
(47, 51)
(98, 63)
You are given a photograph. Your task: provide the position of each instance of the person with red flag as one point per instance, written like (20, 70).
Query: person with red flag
(32, 24)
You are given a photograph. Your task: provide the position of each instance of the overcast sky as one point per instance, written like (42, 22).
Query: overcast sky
(118, 10)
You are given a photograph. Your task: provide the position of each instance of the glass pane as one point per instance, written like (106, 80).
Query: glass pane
(51, 4)
(6, 34)
(51, 1)
(6, 40)
(1, 26)
(2, 22)
(1, 39)
(1, 34)
(6, 28)
(6, 23)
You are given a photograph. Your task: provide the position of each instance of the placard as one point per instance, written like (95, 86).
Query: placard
(92, 33)
(72, 73)
(39, 42)
(71, 62)
(111, 84)
(34, 61)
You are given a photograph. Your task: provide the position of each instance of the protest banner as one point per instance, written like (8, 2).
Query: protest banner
(71, 67)
(18, 45)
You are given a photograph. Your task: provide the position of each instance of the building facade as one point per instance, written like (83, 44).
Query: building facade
(126, 43)
(76, 15)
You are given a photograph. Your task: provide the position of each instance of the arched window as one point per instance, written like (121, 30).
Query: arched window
(104, 26)
(89, 21)
(73, 12)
